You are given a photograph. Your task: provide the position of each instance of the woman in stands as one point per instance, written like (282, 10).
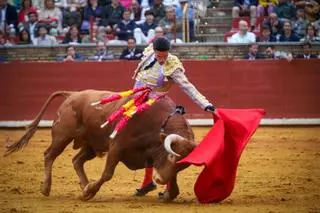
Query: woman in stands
(26, 7)
(51, 16)
(72, 36)
(24, 37)
(311, 34)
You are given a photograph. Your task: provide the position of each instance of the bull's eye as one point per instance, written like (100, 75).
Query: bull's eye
(171, 158)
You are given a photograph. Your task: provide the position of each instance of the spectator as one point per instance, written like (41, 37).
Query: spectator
(44, 39)
(72, 55)
(158, 33)
(131, 52)
(287, 35)
(306, 52)
(265, 35)
(144, 5)
(285, 10)
(310, 34)
(12, 35)
(3, 40)
(179, 16)
(32, 25)
(73, 36)
(26, 7)
(311, 8)
(24, 37)
(266, 7)
(253, 52)
(272, 53)
(102, 53)
(93, 10)
(71, 14)
(179, 10)
(244, 8)
(172, 27)
(243, 36)
(158, 10)
(275, 25)
(97, 34)
(145, 32)
(125, 27)
(136, 12)
(8, 16)
(316, 24)
(51, 16)
(112, 14)
(300, 24)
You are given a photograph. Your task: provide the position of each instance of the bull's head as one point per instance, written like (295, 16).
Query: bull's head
(177, 148)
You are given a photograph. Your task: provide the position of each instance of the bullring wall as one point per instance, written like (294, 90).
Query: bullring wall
(284, 89)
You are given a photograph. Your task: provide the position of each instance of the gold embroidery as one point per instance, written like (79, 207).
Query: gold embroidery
(172, 63)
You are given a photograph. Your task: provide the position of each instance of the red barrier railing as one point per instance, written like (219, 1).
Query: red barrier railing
(284, 89)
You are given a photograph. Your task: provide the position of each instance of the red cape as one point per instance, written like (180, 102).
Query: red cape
(220, 152)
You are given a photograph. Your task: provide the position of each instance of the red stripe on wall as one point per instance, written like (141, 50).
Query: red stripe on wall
(284, 89)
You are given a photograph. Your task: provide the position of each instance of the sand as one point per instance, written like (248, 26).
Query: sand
(278, 172)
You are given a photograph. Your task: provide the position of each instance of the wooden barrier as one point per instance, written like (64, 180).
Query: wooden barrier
(284, 89)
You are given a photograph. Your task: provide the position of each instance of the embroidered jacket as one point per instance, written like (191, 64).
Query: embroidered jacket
(162, 77)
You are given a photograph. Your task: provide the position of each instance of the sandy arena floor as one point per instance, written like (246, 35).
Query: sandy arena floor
(279, 172)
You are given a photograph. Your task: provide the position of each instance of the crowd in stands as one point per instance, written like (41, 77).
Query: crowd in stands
(276, 21)
(51, 22)
(135, 22)
(271, 53)
(131, 52)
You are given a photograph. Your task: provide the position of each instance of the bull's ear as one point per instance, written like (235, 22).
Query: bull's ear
(162, 136)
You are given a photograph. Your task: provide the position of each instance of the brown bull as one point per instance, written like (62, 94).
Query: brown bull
(137, 145)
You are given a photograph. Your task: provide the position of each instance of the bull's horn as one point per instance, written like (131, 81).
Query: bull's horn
(168, 141)
(95, 103)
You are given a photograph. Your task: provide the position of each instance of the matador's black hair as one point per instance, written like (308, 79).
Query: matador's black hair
(161, 44)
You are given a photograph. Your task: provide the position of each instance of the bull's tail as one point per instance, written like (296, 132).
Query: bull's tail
(31, 128)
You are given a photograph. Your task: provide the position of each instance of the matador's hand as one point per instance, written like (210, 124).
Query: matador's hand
(210, 108)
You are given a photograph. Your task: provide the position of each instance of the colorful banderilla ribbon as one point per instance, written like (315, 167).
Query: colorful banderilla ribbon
(137, 100)
(127, 115)
(120, 95)
(137, 104)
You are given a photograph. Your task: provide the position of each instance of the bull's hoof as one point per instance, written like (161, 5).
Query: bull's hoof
(86, 197)
(145, 190)
(88, 192)
(45, 190)
(166, 196)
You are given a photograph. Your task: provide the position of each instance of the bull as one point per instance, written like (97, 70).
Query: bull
(140, 143)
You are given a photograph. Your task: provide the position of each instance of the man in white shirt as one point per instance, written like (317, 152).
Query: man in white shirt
(243, 36)
(44, 39)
